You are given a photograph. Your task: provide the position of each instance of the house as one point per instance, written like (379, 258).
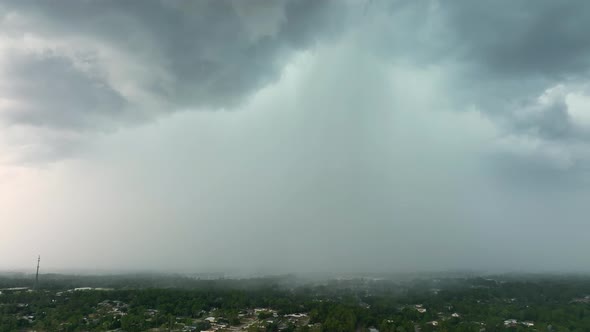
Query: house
(433, 323)
(296, 315)
(455, 315)
(528, 324)
(510, 322)
(421, 310)
(210, 319)
(365, 305)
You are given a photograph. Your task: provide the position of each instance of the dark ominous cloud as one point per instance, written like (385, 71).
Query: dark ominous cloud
(115, 58)
(45, 90)
(342, 135)
(516, 38)
(130, 61)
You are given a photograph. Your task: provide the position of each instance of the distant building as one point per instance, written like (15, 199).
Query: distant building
(15, 289)
(296, 315)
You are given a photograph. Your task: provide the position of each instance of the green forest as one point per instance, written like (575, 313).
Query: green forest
(156, 303)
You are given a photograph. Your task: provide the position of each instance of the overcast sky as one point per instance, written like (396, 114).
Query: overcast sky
(295, 136)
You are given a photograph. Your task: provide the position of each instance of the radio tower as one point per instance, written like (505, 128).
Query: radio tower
(37, 275)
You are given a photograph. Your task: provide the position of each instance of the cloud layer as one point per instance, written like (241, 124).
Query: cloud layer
(296, 134)
(93, 64)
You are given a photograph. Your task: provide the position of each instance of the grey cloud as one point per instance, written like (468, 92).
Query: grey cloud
(213, 54)
(548, 120)
(545, 136)
(506, 54)
(49, 90)
(102, 64)
(515, 38)
(499, 53)
(149, 56)
(358, 158)
(506, 39)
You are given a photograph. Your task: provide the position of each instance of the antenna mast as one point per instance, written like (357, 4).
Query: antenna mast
(37, 275)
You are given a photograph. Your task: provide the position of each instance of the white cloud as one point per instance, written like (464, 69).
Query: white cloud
(579, 109)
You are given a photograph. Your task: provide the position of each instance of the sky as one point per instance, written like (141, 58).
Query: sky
(295, 136)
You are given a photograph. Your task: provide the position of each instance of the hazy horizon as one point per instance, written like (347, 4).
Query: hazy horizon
(295, 136)
(316, 275)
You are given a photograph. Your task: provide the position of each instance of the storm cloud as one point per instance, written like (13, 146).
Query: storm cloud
(92, 64)
(295, 135)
